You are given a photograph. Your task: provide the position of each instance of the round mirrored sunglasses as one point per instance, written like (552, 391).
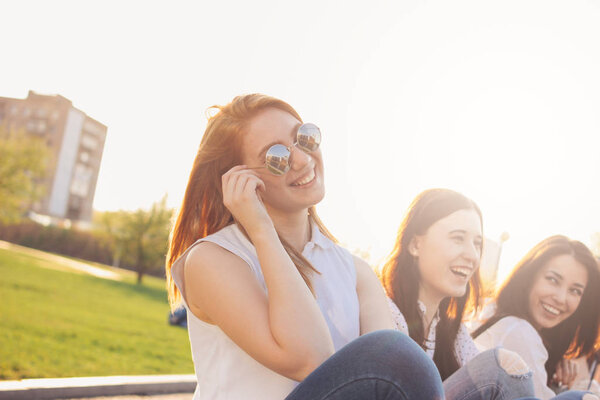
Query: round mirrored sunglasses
(278, 158)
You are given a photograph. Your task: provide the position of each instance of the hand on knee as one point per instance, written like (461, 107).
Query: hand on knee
(512, 363)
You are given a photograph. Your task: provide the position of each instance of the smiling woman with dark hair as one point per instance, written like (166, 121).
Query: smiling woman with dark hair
(432, 279)
(548, 309)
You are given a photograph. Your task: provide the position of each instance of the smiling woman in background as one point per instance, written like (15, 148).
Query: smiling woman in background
(547, 309)
(432, 278)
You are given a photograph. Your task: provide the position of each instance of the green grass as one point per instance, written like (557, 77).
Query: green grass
(55, 323)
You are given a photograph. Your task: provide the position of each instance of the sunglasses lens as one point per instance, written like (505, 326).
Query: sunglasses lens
(308, 137)
(277, 159)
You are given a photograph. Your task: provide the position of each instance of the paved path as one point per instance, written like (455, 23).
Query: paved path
(71, 264)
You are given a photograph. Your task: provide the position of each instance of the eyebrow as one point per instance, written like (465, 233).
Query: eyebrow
(464, 232)
(266, 147)
(560, 277)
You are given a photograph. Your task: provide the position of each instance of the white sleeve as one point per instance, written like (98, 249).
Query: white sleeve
(399, 320)
(518, 335)
(464, 346)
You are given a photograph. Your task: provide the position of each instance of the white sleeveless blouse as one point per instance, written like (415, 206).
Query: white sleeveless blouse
(225, 371)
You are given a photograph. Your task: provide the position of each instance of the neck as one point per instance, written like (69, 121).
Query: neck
(431, 302)
(293, 227)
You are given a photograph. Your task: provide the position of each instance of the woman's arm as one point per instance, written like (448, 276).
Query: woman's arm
(285, 331)
(374, 310)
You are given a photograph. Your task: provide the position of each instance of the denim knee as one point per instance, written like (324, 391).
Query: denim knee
(393, 355)
(492, 374)
(511, 362)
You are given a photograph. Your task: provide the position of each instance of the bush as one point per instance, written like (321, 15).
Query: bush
(68, 242)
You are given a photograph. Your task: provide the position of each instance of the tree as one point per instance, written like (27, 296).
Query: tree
(138, 238)
(23, 162)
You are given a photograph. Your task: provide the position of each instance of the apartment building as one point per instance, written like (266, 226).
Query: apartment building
(76, 142)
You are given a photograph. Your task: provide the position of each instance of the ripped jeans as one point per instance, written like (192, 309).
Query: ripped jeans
(495, 374)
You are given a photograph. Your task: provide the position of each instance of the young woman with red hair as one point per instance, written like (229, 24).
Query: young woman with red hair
(276, 308)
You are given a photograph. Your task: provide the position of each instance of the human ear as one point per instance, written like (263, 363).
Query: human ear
(413, 247)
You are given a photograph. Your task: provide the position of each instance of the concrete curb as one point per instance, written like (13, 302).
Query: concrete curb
(64, 388)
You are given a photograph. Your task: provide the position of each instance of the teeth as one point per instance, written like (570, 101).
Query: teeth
(464, 271)
(551, 309)
(306, 179)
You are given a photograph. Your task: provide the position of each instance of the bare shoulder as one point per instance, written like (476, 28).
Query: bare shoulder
(207, 255)
(363, 269)
(210, 273)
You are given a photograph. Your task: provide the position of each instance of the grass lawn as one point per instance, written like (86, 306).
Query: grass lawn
(57, 323)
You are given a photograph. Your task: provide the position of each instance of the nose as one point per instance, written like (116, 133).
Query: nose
(471, 252)
(299, 158)
(560, 295)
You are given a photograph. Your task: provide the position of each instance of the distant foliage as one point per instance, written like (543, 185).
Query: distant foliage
(68, 242)
(23, 162)
(137, 239)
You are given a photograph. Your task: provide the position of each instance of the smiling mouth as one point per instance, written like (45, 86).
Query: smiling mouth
(462, 272)
(552, 310)
(308, 178)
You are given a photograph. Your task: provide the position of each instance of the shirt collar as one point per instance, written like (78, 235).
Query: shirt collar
(317, 237)
(423, 310)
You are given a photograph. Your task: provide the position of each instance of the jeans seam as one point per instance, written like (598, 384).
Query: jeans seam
(369, 378)
(481, 387)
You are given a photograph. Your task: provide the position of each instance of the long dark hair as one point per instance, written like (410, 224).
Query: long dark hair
(577, 335)
(400, 276)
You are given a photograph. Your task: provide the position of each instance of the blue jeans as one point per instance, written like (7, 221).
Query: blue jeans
(483, 378)
(380, 365)
(568, 395)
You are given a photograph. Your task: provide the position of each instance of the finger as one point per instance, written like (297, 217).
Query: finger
(227, 175)
(229, 193)
(559, 370)
(254, 183)
(248, 191)
(240, 183)
(236, 168)
(572, 371)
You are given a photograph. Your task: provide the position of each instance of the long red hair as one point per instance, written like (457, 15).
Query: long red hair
(202, 211)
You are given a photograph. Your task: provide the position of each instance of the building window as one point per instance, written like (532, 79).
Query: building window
(82, 179)
(41, 126)
(89, 142)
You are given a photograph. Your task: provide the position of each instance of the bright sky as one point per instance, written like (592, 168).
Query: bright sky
(498, 100)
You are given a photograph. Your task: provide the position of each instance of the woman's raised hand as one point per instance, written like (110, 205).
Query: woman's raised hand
(566, 372)
(241, 196)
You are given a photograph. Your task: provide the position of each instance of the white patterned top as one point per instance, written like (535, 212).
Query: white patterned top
(464, 346)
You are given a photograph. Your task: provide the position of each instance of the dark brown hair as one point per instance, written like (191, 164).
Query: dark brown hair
(577, 335)
(400, 275)
(202, 212)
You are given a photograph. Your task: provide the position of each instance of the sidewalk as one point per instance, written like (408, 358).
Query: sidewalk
(65, 388)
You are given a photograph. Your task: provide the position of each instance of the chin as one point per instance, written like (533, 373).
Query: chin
(459, 292)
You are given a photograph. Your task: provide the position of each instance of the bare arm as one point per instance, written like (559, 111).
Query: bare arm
(285, 331)
(374, 310)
